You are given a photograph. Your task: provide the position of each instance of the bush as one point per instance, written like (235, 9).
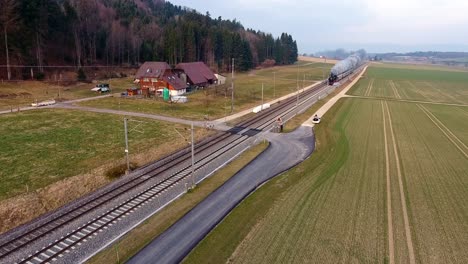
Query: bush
(268, 63)
(81, 75)
(119, 170)
(40, 76)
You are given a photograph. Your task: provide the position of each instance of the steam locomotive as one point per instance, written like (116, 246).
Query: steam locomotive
(345, 67)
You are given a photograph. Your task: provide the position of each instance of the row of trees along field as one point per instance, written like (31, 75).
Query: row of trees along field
(128, 32)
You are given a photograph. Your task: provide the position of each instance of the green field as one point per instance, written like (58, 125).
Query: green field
(414, 84)
(387, 184)
(215, 102)
(42, 147)
(20, 94)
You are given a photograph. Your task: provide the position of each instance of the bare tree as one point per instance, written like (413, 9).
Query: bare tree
(8, 17)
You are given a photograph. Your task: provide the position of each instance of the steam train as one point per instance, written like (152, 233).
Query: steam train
(345, 67)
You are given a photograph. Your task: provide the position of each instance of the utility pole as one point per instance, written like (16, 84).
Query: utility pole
(297, 96)
(232, 87)
(274, 84)
(262, 97)
(303, 83)
(297, 78)
(7, 55)
(126, 144)
(193, 159)
(297, 88)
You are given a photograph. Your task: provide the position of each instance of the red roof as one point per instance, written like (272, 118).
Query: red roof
(173, 80)
(152, 69)
(197, 72)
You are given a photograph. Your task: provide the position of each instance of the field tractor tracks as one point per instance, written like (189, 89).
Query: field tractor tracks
(447, 132)
(409, 241)
(391, 243)
(369, 87)
(418, 90)
(395, 90)
(451, 97)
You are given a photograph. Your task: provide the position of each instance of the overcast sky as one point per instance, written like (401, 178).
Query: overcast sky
(375, 25)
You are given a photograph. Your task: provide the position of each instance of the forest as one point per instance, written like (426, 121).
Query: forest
(43, 34)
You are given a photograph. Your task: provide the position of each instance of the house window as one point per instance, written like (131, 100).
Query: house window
(154, 80)
(146, 80)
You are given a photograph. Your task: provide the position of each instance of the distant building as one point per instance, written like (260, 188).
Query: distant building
(196, 74)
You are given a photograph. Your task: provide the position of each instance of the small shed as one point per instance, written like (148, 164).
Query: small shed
(221, 79)
(133, 91)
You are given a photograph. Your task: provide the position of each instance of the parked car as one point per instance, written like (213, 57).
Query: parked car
(101, 88)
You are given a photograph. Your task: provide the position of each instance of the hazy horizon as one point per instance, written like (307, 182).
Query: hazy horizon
(377, 26)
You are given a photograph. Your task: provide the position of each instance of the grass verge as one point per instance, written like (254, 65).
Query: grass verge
(131, 243)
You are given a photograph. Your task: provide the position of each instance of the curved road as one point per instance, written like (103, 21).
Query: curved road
(285, 151)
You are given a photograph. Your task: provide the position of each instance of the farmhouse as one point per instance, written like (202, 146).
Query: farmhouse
(154, 76)
(196, 74)
(172, 81)
(149, 73)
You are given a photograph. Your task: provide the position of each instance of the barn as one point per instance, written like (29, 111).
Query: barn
(196, 74)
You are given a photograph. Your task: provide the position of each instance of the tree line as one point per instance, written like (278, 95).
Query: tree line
(81, 33)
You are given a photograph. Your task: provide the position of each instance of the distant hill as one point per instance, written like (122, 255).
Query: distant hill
(129, 32)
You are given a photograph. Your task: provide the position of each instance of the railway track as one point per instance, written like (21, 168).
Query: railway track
(152, 181)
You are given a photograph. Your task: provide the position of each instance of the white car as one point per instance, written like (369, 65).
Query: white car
(43, 103)
(316, 119)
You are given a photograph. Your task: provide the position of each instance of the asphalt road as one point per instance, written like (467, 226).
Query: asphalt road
(285, 151)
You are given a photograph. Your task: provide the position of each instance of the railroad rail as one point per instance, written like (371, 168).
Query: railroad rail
(151, 182)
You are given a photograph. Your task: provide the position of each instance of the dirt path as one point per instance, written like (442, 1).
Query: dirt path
(452, 137)
(391, 243)
(409, 240)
